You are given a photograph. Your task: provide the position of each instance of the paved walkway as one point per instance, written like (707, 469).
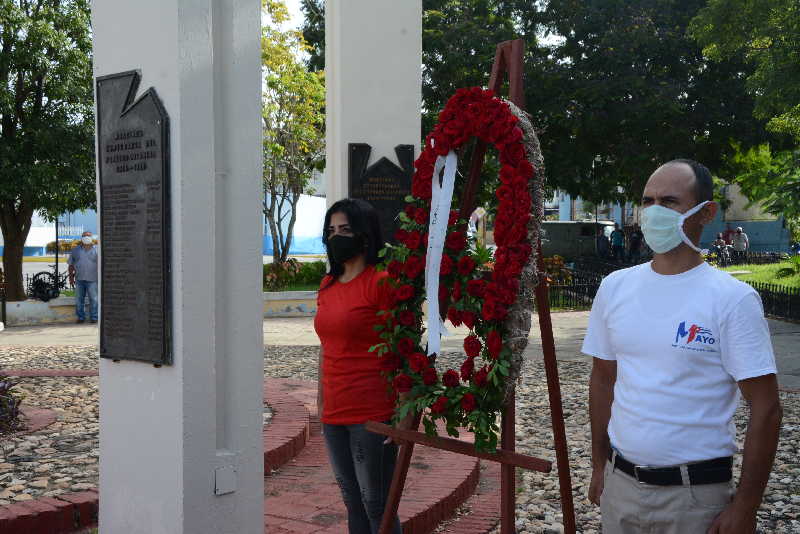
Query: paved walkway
(568, 330)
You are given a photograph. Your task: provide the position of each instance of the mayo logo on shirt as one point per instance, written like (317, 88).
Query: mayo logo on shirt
(695, 334)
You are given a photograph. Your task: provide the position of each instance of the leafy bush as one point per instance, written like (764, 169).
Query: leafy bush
(279, 276)
(64, 245)
(792, 270)
(9, 406)
(557, 271)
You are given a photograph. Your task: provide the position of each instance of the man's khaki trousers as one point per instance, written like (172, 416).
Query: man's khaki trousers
(628, 507)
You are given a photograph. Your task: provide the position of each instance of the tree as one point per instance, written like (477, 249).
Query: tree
(767, 33)
(768, 177)
(46, 119)
(627, 88)
(621, 89)
(294, 132)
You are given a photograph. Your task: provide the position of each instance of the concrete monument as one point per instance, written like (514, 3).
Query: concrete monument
(181, 446)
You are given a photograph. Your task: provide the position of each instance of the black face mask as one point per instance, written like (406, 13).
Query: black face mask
(344, 248)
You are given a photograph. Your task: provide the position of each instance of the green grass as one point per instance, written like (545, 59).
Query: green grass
(765, 274)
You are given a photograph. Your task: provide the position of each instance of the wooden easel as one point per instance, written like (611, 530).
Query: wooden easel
(508, 59)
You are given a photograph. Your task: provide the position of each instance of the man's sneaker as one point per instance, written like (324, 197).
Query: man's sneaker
(80, 321)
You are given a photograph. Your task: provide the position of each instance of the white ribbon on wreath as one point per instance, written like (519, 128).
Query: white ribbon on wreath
(441, 198)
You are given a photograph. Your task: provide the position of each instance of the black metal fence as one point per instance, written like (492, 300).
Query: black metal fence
(756, 258)
(782, 302)
(577, 294)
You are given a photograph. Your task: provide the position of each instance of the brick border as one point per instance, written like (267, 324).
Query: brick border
(51, 515)
(289, 429)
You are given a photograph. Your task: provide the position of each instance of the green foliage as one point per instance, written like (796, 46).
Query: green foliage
(294, 125)
(784, 273)
(9, 406)
(46, 118)
(768, 177)
(624, 88)
(792, 270)
(627, 84)
(279, 276)
(767, 34)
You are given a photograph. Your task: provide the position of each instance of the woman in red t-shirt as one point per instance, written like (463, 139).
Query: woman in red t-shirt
(351, 390)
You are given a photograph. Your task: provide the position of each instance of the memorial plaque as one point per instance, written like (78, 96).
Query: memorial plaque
(133, 162)
(383, 184)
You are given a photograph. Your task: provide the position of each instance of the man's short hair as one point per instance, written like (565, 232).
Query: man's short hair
(703, 183)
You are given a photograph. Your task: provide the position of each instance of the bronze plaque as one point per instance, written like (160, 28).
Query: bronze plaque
(133, 162)
(383, 184)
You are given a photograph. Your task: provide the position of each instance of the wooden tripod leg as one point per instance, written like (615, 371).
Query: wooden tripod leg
(398, 481)
(508, 493)
(554, 392)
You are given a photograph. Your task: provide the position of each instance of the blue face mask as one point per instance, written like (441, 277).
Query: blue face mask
(663, 227)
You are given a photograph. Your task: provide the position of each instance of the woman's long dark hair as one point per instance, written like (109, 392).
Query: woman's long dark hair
(363, 220)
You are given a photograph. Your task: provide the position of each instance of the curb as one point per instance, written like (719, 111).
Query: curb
(289, 430)
(54, 515)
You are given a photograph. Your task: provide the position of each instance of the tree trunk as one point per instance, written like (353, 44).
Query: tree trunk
(15, 225)
(12, 269)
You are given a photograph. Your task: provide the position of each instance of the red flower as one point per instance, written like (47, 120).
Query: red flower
(413, 240)
(410, 210)
(390, 362)
(414, 266)
(439, 406)
(420, 216)
(493, 310)
(480, 377)
(443, 292)
(454, 316)
(476, 288)
(466, 265)
(429, 376)
(468, 318)
(453, 218)
(401, 235)
(466, 369)
(456, 241)
(494, 343)
(394, 268)
(457, 290)
(447, 265)
(472, 345)
(525, 169)
(405, 346)
(417, 362)
(404, 292)
(402, 383)
(421, 186)
(406, 318)
(450, 379)
(468, 402)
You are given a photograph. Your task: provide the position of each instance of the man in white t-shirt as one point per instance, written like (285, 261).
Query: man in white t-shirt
(674, 341)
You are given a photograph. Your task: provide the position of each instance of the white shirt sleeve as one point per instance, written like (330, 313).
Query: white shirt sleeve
(597, 342)
(745, 341)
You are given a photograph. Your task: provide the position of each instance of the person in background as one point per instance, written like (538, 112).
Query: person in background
(635, 245)
(351, 389)
(727, 235)
(618, 244)
(661, 402)
(740, 244)
(601, 243)
(82, 263)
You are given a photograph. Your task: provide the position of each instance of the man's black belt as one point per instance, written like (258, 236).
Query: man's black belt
(713, 471)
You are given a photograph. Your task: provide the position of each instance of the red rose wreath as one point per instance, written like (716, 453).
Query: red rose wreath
(495, 305)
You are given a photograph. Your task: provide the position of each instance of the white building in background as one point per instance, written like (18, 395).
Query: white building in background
(42, 232)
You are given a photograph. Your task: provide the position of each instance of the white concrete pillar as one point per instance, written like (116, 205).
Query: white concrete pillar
(373, 79)
(181, 446)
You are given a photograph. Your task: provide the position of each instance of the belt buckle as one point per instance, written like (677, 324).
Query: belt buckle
(636, 472)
